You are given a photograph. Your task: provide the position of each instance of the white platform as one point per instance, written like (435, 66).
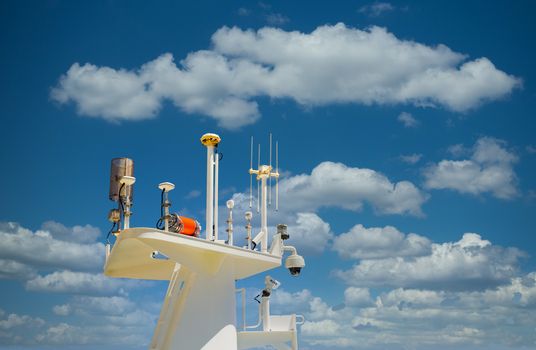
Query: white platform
(131, 256)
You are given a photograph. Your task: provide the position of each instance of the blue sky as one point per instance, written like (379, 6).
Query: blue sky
(406, 134)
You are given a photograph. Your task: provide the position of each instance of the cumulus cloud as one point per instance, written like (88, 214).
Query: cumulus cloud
(14, 327)
(354, 296)
(471, 263)
(408, 120)
(84, 283)
(54, 246)
(10, 269)
(77, 233)
(332, 64)
(380, 242)
(310, 234)
(422, 318)
(488, 170)
(337, 185)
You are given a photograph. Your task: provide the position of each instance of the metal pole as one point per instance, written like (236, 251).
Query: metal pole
(210, 193)
(264, 216)
(216, 172)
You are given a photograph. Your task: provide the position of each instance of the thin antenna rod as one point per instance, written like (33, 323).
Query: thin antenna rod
(251, 175)
(270, 178)
(277, 178)
(258, 188)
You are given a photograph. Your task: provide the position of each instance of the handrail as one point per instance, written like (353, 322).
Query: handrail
(243, 292)
(260, 319)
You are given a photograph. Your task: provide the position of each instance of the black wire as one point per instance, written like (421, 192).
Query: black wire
(110, 232)
(121, 200)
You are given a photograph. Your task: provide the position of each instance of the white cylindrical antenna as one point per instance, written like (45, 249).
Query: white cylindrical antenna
(251, 175)
(166, 187)
(277, 178)
(230, 205)
(216, 181)
(270, 178)
(258, 188)
(210, 141)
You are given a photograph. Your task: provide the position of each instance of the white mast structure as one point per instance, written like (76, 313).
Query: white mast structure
(199, 309)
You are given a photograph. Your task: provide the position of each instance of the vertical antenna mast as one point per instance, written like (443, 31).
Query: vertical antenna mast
(258, 187)
(277, 177)
(270, 178)
(251, 175)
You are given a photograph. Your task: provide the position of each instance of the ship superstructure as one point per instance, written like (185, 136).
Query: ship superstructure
(199, 309)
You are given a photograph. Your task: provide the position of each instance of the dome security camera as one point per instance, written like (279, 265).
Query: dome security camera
(294, 264)
(249, 215)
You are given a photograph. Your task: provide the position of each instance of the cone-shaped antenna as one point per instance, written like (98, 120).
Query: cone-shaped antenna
(277, 178)
(270, 178)
(251, 175)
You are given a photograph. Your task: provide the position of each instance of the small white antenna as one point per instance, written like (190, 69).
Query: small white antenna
(258, 187)
(251, 175)
(277, 177)
(270, 178)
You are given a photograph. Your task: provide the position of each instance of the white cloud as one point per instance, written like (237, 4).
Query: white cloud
(380, 242)
(96, 305)
(62, 310)
(14, 328)
(376, 9)
(332, 64)
(320, 328)
(422, 319)
(84, 283)
(530, 149)
(310, 234)
(408, 120)
(77, 233)
(354, 296)
(489, 169)
(10, 269)
(468, 264)
(411, 158)
(337, 185)
(42, 250)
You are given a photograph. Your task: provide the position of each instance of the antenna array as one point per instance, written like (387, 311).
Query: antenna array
(266, 170)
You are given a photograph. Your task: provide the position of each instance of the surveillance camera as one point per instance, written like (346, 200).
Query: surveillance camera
(230, 204)
(249, 215)
(294, 264)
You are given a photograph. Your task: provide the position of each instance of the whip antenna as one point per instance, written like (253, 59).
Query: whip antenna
(277, 177)
(270, 178)
(258, 187)
(251, 175)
